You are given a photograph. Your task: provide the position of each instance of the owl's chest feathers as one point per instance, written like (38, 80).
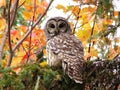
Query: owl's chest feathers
(52, 59)
(62, 48)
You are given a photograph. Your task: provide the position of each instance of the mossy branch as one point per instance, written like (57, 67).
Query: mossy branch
(97, 75)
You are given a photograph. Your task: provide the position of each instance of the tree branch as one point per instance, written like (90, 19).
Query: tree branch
(91, 36)
(7, 27)
(33, 18)
(13, 12)
(11, 18)
(21, 3)
(3, 44)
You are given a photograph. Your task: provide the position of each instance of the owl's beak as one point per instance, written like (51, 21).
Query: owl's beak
(56, 31)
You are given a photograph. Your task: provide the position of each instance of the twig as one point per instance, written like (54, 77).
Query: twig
(13, 12)
(3, 43)
(37, 83)
(91, 36)
(69, 16)
(33, 17)
(8, 28)
(11, 18)
(29, 31)
(4, 12)
(83, 24)
(21, 3)
(32, 27)
(40, 18)
(77, 20)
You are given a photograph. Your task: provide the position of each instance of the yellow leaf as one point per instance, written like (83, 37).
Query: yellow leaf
(17, 59)
(2, 23)
(59, 6)
(21, 1)
(22, 29)
(84, 33)
(93, 52)
(4, 63)
(26, 43)
(58, 77)
(27, 2)
(2, 26)
(43, 64)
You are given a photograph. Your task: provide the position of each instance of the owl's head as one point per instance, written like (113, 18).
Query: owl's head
(56, 26)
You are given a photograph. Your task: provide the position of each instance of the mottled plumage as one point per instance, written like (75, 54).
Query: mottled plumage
(64, 49)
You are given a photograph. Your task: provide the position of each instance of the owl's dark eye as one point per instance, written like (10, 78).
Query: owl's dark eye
(51, 25)
(61, 25)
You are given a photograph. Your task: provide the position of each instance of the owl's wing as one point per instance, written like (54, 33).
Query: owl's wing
(74, 68)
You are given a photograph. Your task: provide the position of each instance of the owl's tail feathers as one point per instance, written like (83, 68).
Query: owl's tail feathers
(77, 79)
(75, 73)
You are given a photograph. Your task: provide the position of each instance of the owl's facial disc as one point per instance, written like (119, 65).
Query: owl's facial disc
(62, 26)
(52, 28)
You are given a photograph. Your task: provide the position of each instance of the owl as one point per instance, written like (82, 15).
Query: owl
(64, 49)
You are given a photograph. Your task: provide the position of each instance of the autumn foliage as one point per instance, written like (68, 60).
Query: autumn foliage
(22, 39)
(27, 13)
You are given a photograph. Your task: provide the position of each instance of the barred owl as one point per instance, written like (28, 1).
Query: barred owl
(63, 48)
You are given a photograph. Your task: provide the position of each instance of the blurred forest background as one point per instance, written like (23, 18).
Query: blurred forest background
(22, 44)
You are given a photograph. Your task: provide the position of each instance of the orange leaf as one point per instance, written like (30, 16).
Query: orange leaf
(27, 15)
(14, 32)
(76, 0)
(2, 3)
(28, 7)
(76, 10)
(87, 55)
(88, 1)
(17, 69)
(44, 3)
(108, 22)
(112, 54)
(40, 10)
(116, 13)
(25, 57)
